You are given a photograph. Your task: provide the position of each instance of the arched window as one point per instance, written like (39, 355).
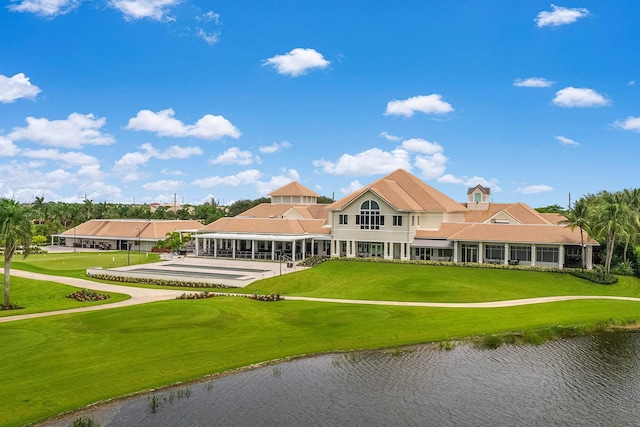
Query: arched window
(477, 197)
(370, 218)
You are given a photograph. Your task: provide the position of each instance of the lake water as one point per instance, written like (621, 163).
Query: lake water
(586, 381)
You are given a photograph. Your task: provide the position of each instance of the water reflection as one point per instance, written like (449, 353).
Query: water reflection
(587, 381)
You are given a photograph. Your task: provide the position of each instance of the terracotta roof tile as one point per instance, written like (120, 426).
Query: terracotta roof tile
(266, 226)
(294, 189)
(128, 229)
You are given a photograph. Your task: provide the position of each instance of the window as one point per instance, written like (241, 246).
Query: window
(413, 220)
(343, 219)
(521, 253)
(477, 197)
(369, 218)
(546, 254)
(397, 220)
(494, 252)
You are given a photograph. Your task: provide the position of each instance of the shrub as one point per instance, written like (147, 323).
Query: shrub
(623, 268)
(158, 282)
(313, 261)
(87, 295)
(596, 276)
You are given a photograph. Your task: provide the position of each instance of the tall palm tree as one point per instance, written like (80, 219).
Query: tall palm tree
(15, 230)
(632, 198)
(579, 216)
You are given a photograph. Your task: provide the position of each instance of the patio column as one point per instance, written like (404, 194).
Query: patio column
(293, 250)
(480, 252)
(506, 254)
(533, 255)
(273, 250)
(215, 248)
(253, 249)
(455, 251)
(588, 253)
(197, 244)
(561, 257)
(233, 248)
(313, 242)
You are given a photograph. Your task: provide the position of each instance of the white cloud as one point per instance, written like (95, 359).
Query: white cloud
(139, 9)
(419, 145)
(16, 87)
(428, 104)
(210, 38)
(579, 97)
(49, 8)
(163, 185)
(70, 158)
(471, 181)
(566, 141)
(353, 186)
(248, 177)
(532, 82)
(234, 155)
(210, 16)
(631, 83)
(431, 166)
(386, 135)
(167, 171)
(128, 165)
(560, 16)
(630, 123)
(369, 162)
(164, 124)
(74, 132)
(534, 189)
(275, 147)
(297, 62)
(8, 148)
(173, 152)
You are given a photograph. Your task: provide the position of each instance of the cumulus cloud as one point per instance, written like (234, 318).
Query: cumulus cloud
(275, 147)
(163, 185)
(534, 189)
(432, 166)
(127, 167)
(386, 135)
(369, 162)
(164, 124)
(560, 16)
(210, 16)
(210, 38)
(247, 177)
(419, 145)
(234, 155)
(140, 9)
(297, 62)
(532, 82)
(8, 148)
(69, 158)
(49, 8)
(16, 87)
(76, 131)
(353, 186)
(579, 97)
(428, 104)
(630, 123)
(566, 141)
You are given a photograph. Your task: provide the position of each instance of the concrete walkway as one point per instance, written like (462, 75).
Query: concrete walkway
(145, 295)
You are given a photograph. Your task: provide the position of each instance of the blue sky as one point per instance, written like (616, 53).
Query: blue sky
(138, 100)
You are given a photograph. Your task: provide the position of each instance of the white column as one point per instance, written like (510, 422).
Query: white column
(253, 249)
(588, 253)
(455, 251)
(273, 250)
(215, 248)
(561, 257)
(197, 244)
(533, 255)
(480, 252)
(233, 248)
(304, 248)
(506, 254)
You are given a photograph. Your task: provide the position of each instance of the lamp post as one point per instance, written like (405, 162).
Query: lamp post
(128, 253)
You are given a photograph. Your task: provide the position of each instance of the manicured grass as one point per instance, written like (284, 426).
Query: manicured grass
(40, 296)
(75, 264)
(409, 282)
(57, 364)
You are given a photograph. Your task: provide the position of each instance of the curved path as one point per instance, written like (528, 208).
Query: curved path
(145, 295)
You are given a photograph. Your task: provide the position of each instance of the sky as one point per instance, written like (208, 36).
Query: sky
(142, 101)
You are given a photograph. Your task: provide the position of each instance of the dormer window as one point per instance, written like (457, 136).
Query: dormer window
(477, 197)
(370, 218)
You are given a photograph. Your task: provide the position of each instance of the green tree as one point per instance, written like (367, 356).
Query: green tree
(209, 211)
(15, 230)
(612, 220)
(174, 241)
(243, 205)
(632, 198)
(579, 216)
(552, 209)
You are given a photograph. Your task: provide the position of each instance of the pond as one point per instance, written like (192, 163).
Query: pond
(587, 381)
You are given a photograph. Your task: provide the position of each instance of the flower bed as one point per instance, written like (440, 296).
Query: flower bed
(158, 282)
(87, 295)
(258, 297)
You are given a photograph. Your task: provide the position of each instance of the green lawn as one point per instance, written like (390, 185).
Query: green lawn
(75, 264)
(57, 364)
(38, 296)
(410, 282)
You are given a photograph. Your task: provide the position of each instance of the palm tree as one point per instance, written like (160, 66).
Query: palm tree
(15, 230)
(632, 198)
(579, 216)
(613, 219)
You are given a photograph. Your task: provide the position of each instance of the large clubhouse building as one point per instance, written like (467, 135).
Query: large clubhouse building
(396, 217)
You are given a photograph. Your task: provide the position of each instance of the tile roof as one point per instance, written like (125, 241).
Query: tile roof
(513, 233)
(129, 229)
(405, 192)
(267, 226)
(521, 212)
(554, 218)
(294, 189)
(268, 210)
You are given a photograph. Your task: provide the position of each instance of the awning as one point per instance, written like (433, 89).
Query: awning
(432, 243)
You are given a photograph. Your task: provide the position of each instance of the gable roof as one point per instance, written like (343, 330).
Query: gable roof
(404, 192)
(267, 226)
(294, 189)
(485, 190)
(129, 229)
(520, 212)
(268, 210)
